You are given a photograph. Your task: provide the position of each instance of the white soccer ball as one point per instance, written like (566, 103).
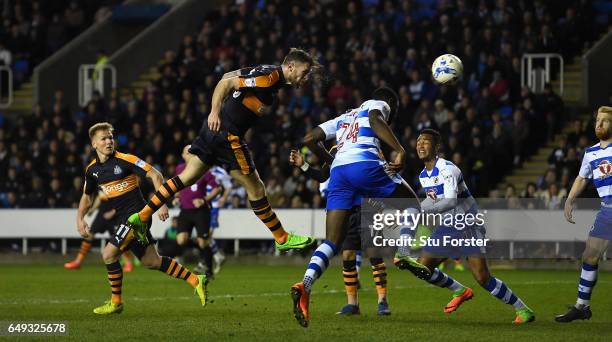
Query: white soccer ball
(446, 68)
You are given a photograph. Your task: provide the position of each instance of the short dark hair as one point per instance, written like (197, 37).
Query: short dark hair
(434, 134)
(298, 55)
(315, 72)
(390, 97)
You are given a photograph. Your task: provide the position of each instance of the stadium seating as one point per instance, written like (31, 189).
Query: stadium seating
(488, 126)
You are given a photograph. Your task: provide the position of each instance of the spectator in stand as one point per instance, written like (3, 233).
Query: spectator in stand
(476, 115)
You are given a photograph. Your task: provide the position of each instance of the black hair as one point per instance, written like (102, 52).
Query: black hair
(435, 134)
(390, 97)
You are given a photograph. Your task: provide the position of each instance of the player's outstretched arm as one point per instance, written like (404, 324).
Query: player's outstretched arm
(384, 133)
(314, 141)
(230, 81)
(158, 180)
(84, 205)
(577, 188)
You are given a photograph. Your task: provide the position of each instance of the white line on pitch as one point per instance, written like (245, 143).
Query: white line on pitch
(247, 295)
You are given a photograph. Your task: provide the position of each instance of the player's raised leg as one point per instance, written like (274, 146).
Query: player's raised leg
(194, 169)
(495, 286)
(152, 260)
(256, 193)
(438, 278)
(595, 247)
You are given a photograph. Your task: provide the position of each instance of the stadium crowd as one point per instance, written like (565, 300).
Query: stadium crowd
(33, 30)
(489, 124)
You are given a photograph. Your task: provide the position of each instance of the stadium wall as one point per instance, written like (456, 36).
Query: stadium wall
(596, 73)
(501, 225)
(147, 48)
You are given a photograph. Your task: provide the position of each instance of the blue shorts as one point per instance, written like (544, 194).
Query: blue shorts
(349, 183)
(602, 228)
(214, 218)
(443, 247)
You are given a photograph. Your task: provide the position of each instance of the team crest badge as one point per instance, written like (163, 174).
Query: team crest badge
(436, 179)
(117, 170)
(605, 167)
(431, 193)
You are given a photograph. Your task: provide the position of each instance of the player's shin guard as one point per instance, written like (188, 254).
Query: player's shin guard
(499, 289)
(83, 251)
(349, 273)
(441, 279)
(379, 272)
(264, 212)
(588, 279)
(164, 194)
(115, 278)
(176, 270)
(318, 263)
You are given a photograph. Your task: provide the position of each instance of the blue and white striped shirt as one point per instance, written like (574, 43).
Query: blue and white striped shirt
(355, 138)
(597, 165)
(445, 180)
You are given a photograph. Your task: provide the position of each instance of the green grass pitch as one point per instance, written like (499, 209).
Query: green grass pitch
(253, 303)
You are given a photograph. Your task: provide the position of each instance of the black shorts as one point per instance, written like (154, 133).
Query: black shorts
(100, 225)
(198, 218)
(124, 238)
(352, 240)
(223, 148)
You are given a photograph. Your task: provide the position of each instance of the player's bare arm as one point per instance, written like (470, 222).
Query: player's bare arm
(229, 82)
(224, 197)
(95, 204)
(212, 194)
(84, 206)
(158, 179)
(577, 188)
(384, 132)
(313, 140)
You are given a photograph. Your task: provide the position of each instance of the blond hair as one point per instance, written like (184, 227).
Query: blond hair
(100, 126)
(605, 110)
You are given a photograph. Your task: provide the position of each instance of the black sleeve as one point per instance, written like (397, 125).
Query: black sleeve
(320, 175)
(90, 185)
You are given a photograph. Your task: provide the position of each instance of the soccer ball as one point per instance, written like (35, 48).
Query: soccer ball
(446, 68)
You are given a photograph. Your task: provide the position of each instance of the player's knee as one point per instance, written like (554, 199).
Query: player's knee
(181, 240)
(255, 189)
(590, 259)
(349, 255)
(109, 255)
(203, 242)
(151, 262)
(482, 278)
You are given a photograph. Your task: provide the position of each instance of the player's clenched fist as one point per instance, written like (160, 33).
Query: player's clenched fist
(296, 158)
